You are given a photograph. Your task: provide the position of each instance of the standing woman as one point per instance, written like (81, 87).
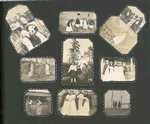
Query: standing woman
(85, 24)
(111, 71)
(31, 72)
(69, 25)
(80, 98)
(121, 76)
(39, 107)
(47, 68)
(73, 107)
(105, 72)
(73, 72)
(65, 103)
(115, 75)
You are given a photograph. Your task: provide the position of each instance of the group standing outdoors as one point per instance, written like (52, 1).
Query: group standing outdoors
(39, 68)
(79, 70)
(113, 71)
(76, 104)
(38, 106)
(79, 23)
(117, 104)
(31, 37)
(131, 19)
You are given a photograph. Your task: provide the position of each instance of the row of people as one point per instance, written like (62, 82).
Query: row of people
(113, 71)
(72, 104)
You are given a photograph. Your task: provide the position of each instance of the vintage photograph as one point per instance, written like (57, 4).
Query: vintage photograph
(77, 22)
(37, 69)
(77, 66)
(27, 32)
(118, 34)
(74, 102)
(38, 102)
(117, 69)
(133, 17)
(117, 103)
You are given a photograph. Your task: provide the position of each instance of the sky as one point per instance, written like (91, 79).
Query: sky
(84, 44)
(117, 96)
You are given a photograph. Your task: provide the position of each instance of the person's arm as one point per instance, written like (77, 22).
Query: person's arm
(70, 68)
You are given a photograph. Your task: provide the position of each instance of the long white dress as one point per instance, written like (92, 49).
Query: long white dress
(69, 28)
(85, 25)
(81, 23)
(80, 102)
(39, 108)
(73, 108)
(111, 73)
(119, 39)
(65, 110)
(121, 76)
(86, 107)
(30, 74)
(47, 69)
(106, 75)
(115, 73)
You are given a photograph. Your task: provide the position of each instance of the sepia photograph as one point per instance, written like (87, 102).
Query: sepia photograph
(133, 17)
(118, 69)
(77, 22)
(38, 102)
(77, 66)
(74, 102)
(117, 103)
(118, 34)
(27, 32)
(37, 69)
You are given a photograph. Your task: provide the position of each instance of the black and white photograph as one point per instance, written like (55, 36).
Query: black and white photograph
(77, 66)
(133, 17)
(117, 103)
(27, 32)
(38, 102)
(118, 69)
(37, 69)
(77, 22)
(77, 102)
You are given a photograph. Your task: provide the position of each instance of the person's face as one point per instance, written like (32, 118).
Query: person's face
(71, 91)
(31, 29)
(115, 62)
(15, 18)
(106, 62)
(73, 63)
(111, 63)
(119, 63)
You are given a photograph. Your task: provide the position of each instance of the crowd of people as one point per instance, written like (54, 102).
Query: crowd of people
(80, 23)
(28, 32)
(81, 70)
(113, 71)
(76, 104)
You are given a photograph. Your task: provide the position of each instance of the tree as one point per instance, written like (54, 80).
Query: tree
(74, 50)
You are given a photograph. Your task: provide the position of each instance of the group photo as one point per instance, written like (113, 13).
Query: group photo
(77, 22)
(133, 17)
(37, 69)
(73, 102)
(38, 102)
(118, 69)
(77, 66)
(27, 32)
(117, 103)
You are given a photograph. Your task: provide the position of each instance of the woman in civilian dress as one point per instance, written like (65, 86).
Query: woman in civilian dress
(80, 98)
(39, 107)
(111, 71)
